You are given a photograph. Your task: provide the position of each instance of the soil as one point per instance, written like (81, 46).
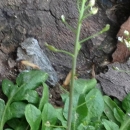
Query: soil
(20, 20)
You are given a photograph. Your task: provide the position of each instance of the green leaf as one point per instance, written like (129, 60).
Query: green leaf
(60, 117)
(84, 86)
(48, 115)
(109, 125)
(65, 109)
(31, 96)
(29, 80)
(119, 115)
(45, 97)
(2, 107)
(21, 124)
(126, 103)
(82, 109)
(33, 116)
(32, 78)
(9, 89)
(95, 103)
(15, 110)
(109, 109)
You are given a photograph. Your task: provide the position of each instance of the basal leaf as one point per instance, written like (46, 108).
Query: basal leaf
(45, 97)
(15, 110)
(119, 115)
(31, 96)
(109, 125)
(33, 116)
(2, 107)
(82, 109)
(32, 78)
(60, 117)
(95, 103)
(126, 103)
(9, 89)
(21, 124)
(109, 108)
(84, 86)
(48, 115)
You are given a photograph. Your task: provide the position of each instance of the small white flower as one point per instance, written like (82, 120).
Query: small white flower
(91, 3)
(94, 10)
(120, 39)
(127, 43)
(126, 33)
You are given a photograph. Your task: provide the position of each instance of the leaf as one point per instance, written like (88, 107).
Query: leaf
(82, 109)
(126, 103)
(48, 115)
(15, 110)
(119, 115)
(109, 125)
(60, 117)
(33, 116)
(21, 124)
(65, 109)
(109, 109)
(45, 97)
(83, 85)
(9, 89)
(2, 107)
(31, 96)
(29, 80)
(95, 103)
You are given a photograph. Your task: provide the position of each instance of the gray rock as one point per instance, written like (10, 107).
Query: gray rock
(31, 51)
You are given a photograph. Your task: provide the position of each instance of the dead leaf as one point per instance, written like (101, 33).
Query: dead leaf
(122, 53)
(67, 79)
(27, 63)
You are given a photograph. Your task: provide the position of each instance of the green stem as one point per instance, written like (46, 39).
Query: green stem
(4, 114)
(90, 37)
(66, 52)
(74, 64)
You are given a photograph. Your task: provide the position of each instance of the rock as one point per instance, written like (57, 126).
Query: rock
(116, 83)
(31, 51)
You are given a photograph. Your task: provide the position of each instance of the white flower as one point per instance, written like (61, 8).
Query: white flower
(120, 39)
(127, 43)
(94, 10)
(126, 33)
(91, 3)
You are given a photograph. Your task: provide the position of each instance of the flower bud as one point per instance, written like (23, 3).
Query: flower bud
(94, 10)
(91, 3)
(126, 33)
(63, 18)
(52, 48)
(106, 28)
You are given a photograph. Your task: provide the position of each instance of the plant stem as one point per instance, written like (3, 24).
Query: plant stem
(4, 114)
(76, 49)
